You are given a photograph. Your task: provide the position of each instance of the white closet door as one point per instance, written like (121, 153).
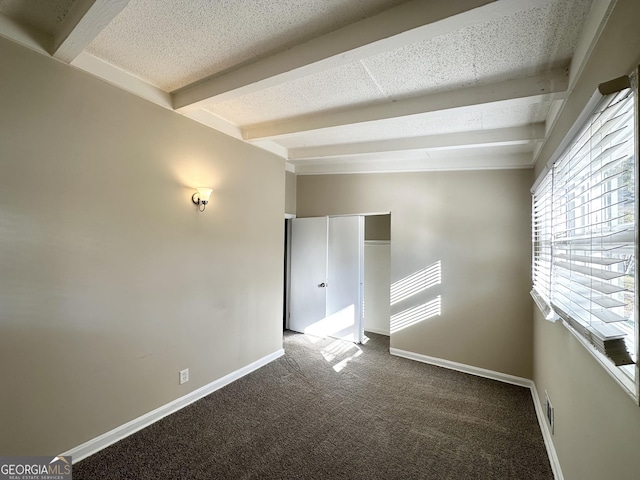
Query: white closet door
(308, 273)
(327, 258)
(345, 277)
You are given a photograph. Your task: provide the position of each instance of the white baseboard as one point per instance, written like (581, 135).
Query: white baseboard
(109, 438)
(378, 331)
(546, 434)
(461, 367)
(501, 377)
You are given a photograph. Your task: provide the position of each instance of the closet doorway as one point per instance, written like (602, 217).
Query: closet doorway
(337, 275)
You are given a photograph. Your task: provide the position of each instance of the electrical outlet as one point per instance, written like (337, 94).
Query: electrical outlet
(184, 376)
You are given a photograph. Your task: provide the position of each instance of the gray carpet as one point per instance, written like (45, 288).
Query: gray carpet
(326, 411)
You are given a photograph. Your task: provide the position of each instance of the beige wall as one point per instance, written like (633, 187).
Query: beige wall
(597, 426)
(377, 227)
(477, 225)
(377, 274)
(290, 193)
(110, 281)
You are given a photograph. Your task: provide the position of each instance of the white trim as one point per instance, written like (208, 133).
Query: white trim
(596, 20)
(379, 331)
(520, 91)
(389, 170)
(545, 307)
(109, 438)
(579, 123)
(539, 179)
(377, 164)
(522, 135)
(360, 306)
(377, 243)
(461, 367)
(82, 25)
(289, 216)
(589, 35)
(121, 79)
(273, 147)
(365, 214)
(213, 121)
(627, 384)
(501, 377)
(546, 434)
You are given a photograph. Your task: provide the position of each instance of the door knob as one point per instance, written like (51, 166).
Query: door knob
(322, 285)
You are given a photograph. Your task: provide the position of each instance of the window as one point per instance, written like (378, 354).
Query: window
(584, 225)
(541, 229)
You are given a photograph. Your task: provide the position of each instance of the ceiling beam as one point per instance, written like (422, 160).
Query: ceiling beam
(83, 23)
(448, 141)
(518, 91)
(394, 28)
(121, 79)
(425, 164)
(210, 120)
(589, 35)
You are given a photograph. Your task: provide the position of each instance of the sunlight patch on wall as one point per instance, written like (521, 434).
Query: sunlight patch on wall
(416, 282)
(415, 315)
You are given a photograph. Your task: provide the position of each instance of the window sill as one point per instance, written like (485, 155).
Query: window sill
(627, 384)
(544, 306)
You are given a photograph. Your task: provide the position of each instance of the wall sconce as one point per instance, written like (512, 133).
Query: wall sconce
(201, 197)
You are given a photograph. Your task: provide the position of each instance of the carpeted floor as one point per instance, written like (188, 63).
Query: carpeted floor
(334, 410)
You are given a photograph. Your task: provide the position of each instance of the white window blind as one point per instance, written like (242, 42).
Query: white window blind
(584, 232)
(593, 230)
(541, 233)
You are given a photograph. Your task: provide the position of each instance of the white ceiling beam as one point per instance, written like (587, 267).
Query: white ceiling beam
(221, 125)
(482, 138)
(274, 148)
(589, 35)
(83, 23)
(518, 160)
(121, 79)
(408, 23)
(517, 91)
(215, 122)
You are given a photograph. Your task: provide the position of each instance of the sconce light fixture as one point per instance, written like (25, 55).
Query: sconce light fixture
(201, 197)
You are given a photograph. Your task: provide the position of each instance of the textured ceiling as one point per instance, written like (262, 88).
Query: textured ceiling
(349, 84)
(505, 48)
(508, 47)
(333, 84)
(172, 43)
(436, 123)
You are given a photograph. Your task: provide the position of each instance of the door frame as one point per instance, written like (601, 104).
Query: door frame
(287, 270)
(287, 261)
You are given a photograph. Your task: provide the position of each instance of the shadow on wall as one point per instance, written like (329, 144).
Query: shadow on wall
(405, 293)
